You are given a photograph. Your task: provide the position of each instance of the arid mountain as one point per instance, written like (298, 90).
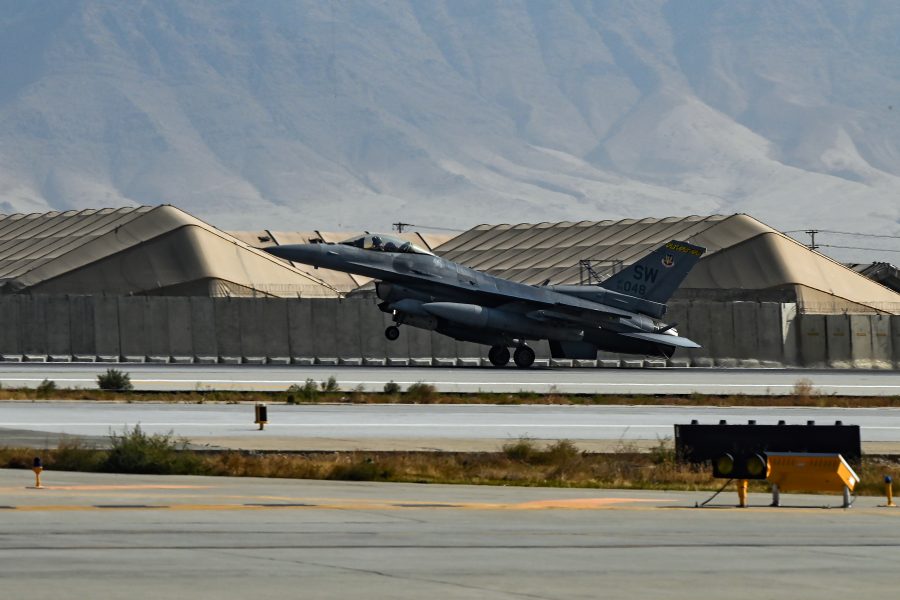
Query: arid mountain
(356, 114)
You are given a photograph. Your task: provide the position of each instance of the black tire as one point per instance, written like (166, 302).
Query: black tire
(524, 357)
(392, 332)
(499, 356)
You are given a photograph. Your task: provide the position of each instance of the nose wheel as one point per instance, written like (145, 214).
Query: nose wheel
(524, 357)
(392, 332)
(499, 356)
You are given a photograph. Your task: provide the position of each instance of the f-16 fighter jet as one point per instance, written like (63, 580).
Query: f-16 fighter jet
(419, 289)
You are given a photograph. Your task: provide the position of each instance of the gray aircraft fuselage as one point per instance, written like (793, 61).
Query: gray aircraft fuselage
(423, 290)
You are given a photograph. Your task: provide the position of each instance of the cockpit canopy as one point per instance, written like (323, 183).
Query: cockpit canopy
(380, 242)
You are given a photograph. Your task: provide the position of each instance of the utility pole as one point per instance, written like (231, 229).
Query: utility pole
(812, 238)
(398, 227)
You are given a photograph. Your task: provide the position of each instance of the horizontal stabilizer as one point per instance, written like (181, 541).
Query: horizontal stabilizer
(663, 338)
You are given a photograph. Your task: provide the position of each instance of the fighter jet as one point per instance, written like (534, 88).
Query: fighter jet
(621, 314)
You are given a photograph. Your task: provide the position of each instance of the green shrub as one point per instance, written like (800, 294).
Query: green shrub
(523, 450)
(563, 452)
(72, 454)
(421, 392)
(45, 388)
(308, 392)
(662, 453)
(358, 394)
(115, 381)
(159, 454)
(392, 387)
(331, 385)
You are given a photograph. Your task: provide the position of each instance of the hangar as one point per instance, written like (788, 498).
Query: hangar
(162, 250)
(745, 260)
(158, 250)
(146, 250)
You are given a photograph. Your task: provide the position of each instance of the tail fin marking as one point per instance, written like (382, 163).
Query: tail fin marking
(656, 276)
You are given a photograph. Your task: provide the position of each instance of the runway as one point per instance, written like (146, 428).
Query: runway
(407, 427)
(465, 380)
(144, 537)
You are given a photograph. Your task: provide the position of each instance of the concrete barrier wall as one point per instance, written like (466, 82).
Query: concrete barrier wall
(351, 330)
(895, 339)
(813, 341)
(300, 341)
(106, 325)
(180, 327)
(9, 326)
(203, 328)
(33, 339)
(81, 325)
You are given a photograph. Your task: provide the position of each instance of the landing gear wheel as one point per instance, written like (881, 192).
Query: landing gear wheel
(392, 332)
(499, 356)
(524, 357)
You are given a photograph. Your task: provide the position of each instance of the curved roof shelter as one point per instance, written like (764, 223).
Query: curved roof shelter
(745, 259)
(163, 250)
(158, 250)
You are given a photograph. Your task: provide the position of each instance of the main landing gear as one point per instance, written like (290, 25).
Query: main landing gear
(498, 355)
(392, 332)
(523, 356)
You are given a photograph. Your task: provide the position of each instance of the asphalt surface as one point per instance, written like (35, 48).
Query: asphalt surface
(458, 379)
(144, 537)
(404, 426)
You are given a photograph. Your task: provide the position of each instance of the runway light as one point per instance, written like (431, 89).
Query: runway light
(740, 466)
(756, 466)
(37, 467)
(723, 466)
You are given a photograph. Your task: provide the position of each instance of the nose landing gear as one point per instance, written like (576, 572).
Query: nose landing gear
(392, 332)
(499, 356)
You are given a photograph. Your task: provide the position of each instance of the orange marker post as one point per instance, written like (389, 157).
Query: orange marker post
(889, 490)
(38, 468)
(742, 485)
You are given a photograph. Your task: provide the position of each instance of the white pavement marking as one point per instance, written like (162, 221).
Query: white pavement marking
(203, 378)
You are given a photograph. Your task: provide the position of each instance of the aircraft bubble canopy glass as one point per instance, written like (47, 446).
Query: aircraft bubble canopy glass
(379, 242)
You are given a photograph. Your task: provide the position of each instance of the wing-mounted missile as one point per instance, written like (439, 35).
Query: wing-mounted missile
(483, 317)
(410, 312)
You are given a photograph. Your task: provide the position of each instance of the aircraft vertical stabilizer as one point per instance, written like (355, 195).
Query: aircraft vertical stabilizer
(656, 276)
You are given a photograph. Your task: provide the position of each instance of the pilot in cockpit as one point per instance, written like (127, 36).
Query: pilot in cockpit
(385, 243)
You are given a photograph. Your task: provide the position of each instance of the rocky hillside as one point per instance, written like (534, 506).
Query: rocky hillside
(356, 114)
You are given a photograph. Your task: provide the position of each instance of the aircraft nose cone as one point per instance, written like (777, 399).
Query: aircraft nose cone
(276, 250)
(302, 253)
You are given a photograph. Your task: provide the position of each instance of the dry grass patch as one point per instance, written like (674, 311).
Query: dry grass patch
(312, 392)
(522, 462)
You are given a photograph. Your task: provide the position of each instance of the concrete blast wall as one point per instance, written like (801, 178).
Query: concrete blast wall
(350, 331)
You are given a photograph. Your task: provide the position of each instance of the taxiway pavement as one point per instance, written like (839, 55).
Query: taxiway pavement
(461, 427)
(146, 537)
